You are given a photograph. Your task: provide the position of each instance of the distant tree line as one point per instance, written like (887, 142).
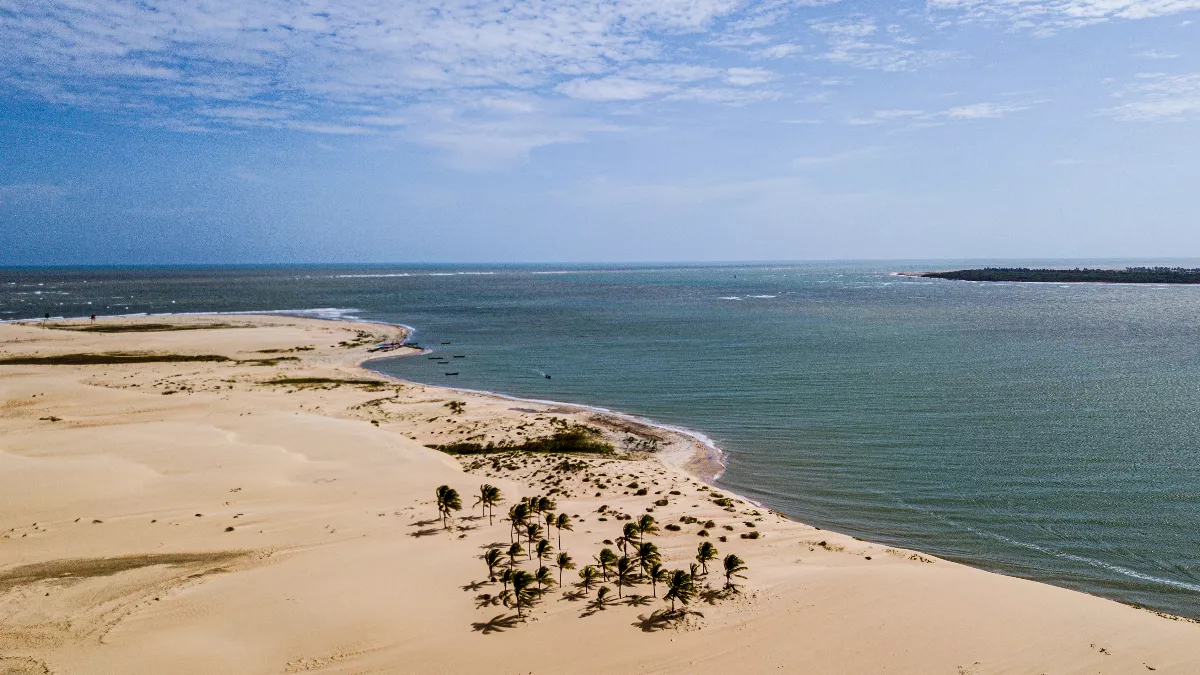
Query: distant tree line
(1129, 275)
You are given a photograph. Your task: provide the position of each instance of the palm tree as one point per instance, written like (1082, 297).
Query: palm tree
(645, 526)
(628, 534)
(705, 553)
(517, 514)
(647, 555)
(494, 498)
(563, 562)
(545, 504)
(734, 566)
(605, 559)
(482, 500)
(588, 576)
(514, 550)
(532, 531)
(489, 496)
(544, 576)
(679, 587)
(492, 558)
(562, 523)
(550, 520)
(624, 571)
(658, 574)
(505, 577)
(543, 550)
(447, 501)
(522, 591)
(602, 595)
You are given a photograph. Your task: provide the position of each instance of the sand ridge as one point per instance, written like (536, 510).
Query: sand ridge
(273, 513)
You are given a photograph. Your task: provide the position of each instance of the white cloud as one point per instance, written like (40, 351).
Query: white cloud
(614, 88)
(781, 51)
(1155, 54)
(854, 42)
(1158, 96)
(745, 77)
(983, 111)
(359, 66)
(1048, 16)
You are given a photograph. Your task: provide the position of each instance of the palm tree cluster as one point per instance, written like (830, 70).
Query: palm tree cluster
(532, 519)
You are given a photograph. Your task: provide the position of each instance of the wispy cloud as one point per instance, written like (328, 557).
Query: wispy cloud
(30, 192)
(1049, 16)
(858, 42)
(1159, 96)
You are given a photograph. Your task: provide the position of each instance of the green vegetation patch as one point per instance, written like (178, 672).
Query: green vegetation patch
(577, 438)
(1129, 275)
(141, 327)
(301, 382)
(108, 358)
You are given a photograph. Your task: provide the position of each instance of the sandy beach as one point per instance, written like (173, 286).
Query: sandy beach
(237, 494)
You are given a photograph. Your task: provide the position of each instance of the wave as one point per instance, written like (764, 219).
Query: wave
(410, 274)
(1092, 562)
(730, 297)
(762, 296)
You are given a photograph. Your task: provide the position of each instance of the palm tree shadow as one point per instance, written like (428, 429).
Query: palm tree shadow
(474, 586)
(497, 624)
(635, 600)
(486, 600)
(574, 596)
(427, 532)
(466, 528)
(712, 595)
(593, 607)
(659, 619)
(424, 523)
(495, 544)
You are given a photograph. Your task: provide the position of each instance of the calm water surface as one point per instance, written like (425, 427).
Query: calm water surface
(1041, 430)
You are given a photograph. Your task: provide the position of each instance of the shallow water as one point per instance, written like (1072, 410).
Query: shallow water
(1042, 430)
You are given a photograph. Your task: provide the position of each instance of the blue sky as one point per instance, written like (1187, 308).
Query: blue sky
(501, 130)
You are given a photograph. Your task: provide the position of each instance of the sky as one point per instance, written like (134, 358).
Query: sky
(275, 131)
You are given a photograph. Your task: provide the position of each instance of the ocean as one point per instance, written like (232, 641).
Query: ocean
(1046, 431)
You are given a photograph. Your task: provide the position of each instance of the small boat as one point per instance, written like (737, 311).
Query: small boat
(460, 356)
(447, 342)
(443, 362)
(547, 377)
(452, 373)
(434, 358)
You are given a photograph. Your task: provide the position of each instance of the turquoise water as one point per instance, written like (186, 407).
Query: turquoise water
(1046, 431)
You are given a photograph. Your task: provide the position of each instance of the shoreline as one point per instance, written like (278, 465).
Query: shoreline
(704, 460)
(269, 510)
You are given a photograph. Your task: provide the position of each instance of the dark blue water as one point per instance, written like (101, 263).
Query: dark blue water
(1047, 431)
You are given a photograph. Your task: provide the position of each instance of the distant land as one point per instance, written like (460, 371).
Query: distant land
(1129, 275)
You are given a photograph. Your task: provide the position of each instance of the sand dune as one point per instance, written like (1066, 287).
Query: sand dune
(273, 513)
